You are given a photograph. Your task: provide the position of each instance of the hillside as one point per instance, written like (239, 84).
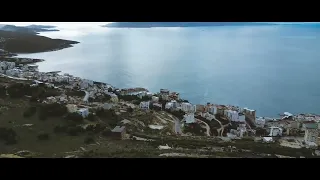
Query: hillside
(17, 42)
(179, 24)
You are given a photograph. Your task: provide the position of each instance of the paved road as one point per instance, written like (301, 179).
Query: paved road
(177, 126)
(86, 97)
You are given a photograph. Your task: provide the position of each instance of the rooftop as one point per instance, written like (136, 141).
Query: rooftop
(118, 129)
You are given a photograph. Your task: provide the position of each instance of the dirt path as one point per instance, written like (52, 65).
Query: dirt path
(207, 126)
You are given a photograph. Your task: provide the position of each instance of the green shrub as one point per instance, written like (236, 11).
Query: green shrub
(59, 129)
(89, 140)
(74, 131)
(91, 117)
(8, 135)
(75, 117)
(43, 136)
(30, 112)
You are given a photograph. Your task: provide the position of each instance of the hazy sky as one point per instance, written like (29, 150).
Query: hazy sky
(67, 29)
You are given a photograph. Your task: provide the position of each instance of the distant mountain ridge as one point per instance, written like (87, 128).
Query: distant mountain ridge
(181, 24)
(31, 29)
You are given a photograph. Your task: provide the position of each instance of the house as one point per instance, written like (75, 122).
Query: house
(145, 105)
(189, 118)
(311, 132)
(119, 132)
(84, 112)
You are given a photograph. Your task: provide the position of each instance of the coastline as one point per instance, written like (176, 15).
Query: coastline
(26, 54)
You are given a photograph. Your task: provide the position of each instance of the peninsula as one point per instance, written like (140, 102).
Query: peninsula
(20, 42)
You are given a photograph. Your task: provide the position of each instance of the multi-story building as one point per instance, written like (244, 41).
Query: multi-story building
(187, 107)
(250, 115)
(311, 132)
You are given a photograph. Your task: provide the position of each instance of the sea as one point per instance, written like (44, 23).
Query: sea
(272, 69)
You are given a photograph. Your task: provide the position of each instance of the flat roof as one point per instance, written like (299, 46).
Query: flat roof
(118, 129)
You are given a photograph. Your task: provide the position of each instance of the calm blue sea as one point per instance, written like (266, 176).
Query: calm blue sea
(268, 68)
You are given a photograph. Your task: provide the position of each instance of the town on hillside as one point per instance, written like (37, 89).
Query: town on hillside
(137, 114)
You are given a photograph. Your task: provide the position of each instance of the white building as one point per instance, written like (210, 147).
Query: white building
(260, 122)
(13, 72)
(174, 104)
(155, 99)
(169, 105)
(213, 110)
(85, 83)
(242, 118)
(189, 118)
(231, 115)
(84, 112)
(275, 131)
(145, 105)
(187, 107)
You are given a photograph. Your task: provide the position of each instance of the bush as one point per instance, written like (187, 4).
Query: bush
(89, 140)
(43, 136)
(130, 109)
(106, 132)
(59, 129)
(18, 90)
(30, 112)
(76, 93)
(75, 117)
(74, 131)
(51, 110)
(3, 91)
(91, 117)
(8, 135)
(42, 116)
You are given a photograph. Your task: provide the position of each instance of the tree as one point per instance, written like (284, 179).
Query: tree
(109, 89)
(89, 140)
